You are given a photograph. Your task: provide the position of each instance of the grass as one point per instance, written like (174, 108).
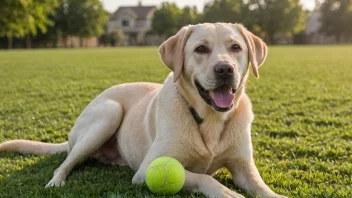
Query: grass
(302, 133)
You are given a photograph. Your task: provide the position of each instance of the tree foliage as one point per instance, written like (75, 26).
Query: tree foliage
(93, 16)
(166, 19)
(189, 15)
(114, 38)
(20, 18)
(266, 18)
(82, 18)
(169, 18)
(222, 11)
(25, 17)
(336, 18)
(271, 17)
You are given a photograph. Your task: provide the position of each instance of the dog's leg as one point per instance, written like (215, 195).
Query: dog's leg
(201, 183)
(245, 175)
(194, 182)
(208, 186)
(94, 127)
(153, 152)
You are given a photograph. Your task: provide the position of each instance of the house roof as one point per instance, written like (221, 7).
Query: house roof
(141, 12)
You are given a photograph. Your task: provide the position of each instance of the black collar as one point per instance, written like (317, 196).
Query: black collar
(194, 113)
(196, 116)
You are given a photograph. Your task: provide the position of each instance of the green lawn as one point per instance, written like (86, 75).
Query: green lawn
(302, 133)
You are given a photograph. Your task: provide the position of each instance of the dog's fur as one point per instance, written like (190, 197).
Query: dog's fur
(132, 124)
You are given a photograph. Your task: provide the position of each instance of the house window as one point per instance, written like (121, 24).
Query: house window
(125, 23)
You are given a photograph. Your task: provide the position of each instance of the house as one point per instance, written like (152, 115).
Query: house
(136, 24)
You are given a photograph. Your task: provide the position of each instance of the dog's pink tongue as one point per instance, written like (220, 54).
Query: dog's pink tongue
(222, 96)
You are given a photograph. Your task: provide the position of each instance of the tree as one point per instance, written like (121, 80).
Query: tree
(83, 18)
(336, 18)
(188, 16)
(24, 18)
(94, 18)
(272, 17)
(116, 37)
(222, 11)
(166, 19)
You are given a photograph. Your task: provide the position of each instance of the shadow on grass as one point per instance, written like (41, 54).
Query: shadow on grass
(88, 179)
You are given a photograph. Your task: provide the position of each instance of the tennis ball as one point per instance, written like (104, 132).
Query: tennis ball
(165, 175)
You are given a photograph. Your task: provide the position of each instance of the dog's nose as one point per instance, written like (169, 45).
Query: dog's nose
(223, 69)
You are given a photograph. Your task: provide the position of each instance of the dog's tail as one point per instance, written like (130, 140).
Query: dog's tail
(27, 146)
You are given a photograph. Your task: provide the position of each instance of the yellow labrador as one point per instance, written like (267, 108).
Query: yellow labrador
(201, 115)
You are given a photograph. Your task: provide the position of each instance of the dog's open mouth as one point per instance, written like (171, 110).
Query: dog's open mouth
(221, 98)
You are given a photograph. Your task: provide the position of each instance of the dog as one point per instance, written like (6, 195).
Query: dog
(200, 116)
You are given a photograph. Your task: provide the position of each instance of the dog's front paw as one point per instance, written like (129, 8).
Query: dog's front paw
(273, 195)
(213, 189)
(138, 178)
(278, 196)
(229, 194)
(55, 181)
(226, 193)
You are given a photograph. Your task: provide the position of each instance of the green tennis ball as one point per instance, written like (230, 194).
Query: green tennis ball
(165, 175)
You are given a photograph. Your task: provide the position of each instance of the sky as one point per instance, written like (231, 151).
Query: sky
(112, 5)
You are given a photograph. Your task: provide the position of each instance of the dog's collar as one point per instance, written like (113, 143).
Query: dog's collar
(194, 113)
(196, 116)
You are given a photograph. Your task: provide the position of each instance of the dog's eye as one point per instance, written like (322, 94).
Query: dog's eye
(202, 49)
(236, 48)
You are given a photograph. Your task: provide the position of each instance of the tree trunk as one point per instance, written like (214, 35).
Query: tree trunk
(55, 40)
(338, 38)
(271, 39)
(9, 42)
(28, 41)
(81, 42)
(64, 39)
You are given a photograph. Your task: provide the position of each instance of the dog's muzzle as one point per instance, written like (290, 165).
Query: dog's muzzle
(222, 96)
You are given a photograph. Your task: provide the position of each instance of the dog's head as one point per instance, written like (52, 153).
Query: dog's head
(214, 59)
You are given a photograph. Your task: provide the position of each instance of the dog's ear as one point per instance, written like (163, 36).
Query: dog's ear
(172, 51)
(257, 49)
